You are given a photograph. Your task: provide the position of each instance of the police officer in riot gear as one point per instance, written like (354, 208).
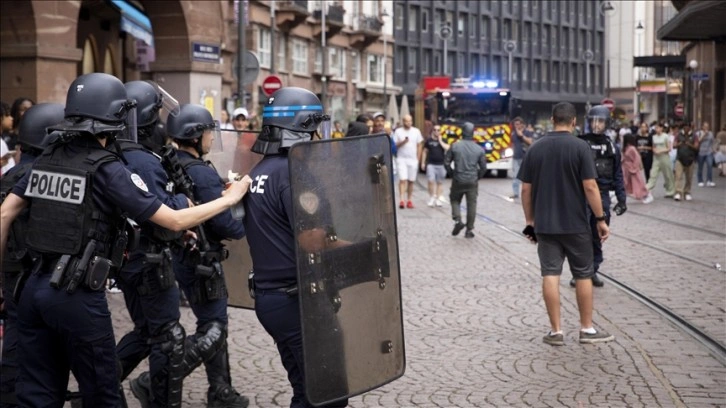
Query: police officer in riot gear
(292, 115)
(32, 138)
(198, 270)
(77, 188)
(609, 177)
(147, 279)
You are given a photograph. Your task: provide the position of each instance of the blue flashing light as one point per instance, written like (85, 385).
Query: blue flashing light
(478, 84)
(492, 84)
(503, 93)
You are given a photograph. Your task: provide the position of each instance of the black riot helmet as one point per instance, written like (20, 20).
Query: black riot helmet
(148, 102)
(32, 133)
(598, 119)
(96, 103)
(190, 123)
(291, 115)
(467, 130)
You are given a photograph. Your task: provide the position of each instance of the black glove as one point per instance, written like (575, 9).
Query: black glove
(620, 208)
(529, 232)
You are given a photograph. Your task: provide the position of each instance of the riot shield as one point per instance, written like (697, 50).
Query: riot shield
(233, 157)
(348, 267)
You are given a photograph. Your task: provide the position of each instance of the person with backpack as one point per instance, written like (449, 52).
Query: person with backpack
(686, 144)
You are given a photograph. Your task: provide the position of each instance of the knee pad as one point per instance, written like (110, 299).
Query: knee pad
(202, 346)
(167, 384)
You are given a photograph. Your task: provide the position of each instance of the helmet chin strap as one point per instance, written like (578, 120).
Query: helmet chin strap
(198, 147)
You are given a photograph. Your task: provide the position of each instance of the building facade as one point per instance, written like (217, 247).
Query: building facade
(191, 47)
(544, 51)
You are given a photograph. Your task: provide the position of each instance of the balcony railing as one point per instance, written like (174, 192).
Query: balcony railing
(335, 14)
(368, 23)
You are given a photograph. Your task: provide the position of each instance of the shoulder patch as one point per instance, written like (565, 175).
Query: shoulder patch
(309, 202)
(139, 182)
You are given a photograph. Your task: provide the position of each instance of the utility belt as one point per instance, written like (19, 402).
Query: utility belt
(290, 290)
(210, 284)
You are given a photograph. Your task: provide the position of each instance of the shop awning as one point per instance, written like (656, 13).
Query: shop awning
(697, 21)
(135, 22)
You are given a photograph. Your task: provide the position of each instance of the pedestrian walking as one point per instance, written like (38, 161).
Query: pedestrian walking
(409, 144)
(470, 164)
(645, 147)
(557, 218)
(79, 236)
(432, 162)
(521, 140)
(661, 162)
(706, 143)
(633, 178)
(686, 155)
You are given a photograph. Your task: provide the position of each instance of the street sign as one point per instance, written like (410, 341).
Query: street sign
(271, 84)
(678, 109)
(699, 76)
(510, 46)
(608, 103)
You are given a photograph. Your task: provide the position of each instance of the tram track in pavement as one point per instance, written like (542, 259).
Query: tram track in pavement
(713, 345)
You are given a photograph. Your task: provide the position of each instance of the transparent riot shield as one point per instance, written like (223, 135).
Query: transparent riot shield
(348, 267)
(233, 157)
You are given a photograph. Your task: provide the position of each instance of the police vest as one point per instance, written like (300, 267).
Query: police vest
(604, 154)
(63, 216)
(151, 231)
(16, 246)
(187, 163)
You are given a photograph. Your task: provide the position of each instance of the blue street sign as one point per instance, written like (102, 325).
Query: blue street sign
(205, 52)
(699, 76)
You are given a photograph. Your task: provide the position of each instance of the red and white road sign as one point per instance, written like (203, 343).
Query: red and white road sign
(678, 109)
(608, 103)
(271, 84)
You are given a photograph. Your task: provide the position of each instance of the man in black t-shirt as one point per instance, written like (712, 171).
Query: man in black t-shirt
(432, 162)
(558, 181)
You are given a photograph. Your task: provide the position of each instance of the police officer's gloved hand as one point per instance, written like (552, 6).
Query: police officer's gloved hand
(620, 208)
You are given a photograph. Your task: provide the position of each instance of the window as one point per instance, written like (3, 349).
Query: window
(546, 39)
(424, 21)
(573, 50)
(263, 47)
(336, 63)
(495, 33)
(412, 60)
(555, 40)
(318, 68)
(535, 39)
(398, 16)
(507, 27)
(475, 65)
(399, 59)
(281, 53)
(450, 18)
(573, 76)
(437, 62)
(472, 26)
(460, 25)
(496, 64)
(375, 70)
(516, 67)
(525, 71)
(299, 57)
(596, 77)
(484, 27)
(355, 66)
(426, 65)
(565, 40)
(535, 72)
(413, 19)
(460, 64)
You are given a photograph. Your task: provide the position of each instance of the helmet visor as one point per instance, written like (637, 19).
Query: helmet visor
(325, 130)
(130, 131)
(217, 143)
(168, 102)
(597, 125)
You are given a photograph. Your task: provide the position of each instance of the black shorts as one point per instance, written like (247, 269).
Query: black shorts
(553, 248)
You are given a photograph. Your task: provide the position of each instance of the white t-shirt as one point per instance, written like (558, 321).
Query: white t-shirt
(4, 151)
(410, 149)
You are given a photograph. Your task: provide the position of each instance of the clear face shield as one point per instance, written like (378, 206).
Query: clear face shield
(217, 144)
(597, 125)
(130, 131)
(326, 129)
(168, 102)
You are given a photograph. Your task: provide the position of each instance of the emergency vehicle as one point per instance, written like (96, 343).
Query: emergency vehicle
(481, 102)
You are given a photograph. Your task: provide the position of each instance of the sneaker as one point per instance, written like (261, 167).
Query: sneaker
(457, 228)
(597, 282)
(554, 339)
(573, 283)
(469, 234)
(410, 204)
(649, 199)
(112, 287)
(597, 337)
(677, 197)
(141, 388)
(688, 197)
(513, 197)
(710, 184)
(226, 397)
(700, 184)
(402, 204)
(442, 199)
(432, 202)
(439, 202)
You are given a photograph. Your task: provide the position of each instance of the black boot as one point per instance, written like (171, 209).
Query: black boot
(221, 394)
(596, 281)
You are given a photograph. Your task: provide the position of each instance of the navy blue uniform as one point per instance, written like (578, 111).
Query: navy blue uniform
(607, 181)
(11, 272)
(269, 225)
(208, 186)
(58, 331)
(150, 305)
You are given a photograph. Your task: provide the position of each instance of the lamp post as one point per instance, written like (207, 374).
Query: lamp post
(639, 29)
(693, 91)
(588, 56)
(385, 56)
(445, 33)
(324, 52)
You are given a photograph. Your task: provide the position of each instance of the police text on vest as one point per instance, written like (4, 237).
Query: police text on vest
(56, 186)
